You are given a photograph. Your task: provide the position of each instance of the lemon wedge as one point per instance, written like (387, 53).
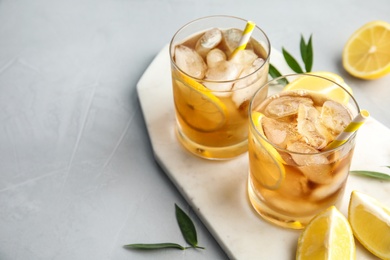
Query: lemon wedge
(366, 54)
(266, 158)
(197, 106)
(370, 222)
(327, 88)
(327, 236)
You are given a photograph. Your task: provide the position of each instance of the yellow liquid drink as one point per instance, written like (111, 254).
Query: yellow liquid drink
(212, 89)
(291, 176)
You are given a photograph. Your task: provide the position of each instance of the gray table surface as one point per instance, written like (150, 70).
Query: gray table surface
(77, 174)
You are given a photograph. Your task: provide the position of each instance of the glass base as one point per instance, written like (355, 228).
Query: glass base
(212, 153)
(272, 216)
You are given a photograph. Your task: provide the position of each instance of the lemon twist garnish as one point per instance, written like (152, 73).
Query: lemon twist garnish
(269, 161)
(197, 106)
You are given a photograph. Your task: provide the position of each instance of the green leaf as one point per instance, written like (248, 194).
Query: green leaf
(154, 246)
(292, 63)
(187, 227)
(372, 174)
(303, 47)
(273, 72)
(307, 53)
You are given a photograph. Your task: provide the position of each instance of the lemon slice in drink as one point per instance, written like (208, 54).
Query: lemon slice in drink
(197, 106)
(366, 54)
(370, 222)
(266, 158)
(327, 236)
(324, 87)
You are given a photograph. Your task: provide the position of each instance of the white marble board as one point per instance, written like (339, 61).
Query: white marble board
(216, 190)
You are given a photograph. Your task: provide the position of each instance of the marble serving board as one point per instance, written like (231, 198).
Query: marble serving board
(216, 190)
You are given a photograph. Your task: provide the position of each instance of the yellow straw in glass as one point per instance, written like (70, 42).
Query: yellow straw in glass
(355, 124)
(246, 35)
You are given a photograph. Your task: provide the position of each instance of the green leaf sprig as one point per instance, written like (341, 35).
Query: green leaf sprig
(306, 49)
(187, 229)
(373, 174)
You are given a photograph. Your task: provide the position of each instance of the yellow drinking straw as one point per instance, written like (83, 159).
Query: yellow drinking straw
(355, 124)
(246, 35)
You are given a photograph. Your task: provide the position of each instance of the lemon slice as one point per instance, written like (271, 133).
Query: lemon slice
(370, 222)
(327, 236)
(197, 106)
(324, 87)
(366, 54)
(267, 159)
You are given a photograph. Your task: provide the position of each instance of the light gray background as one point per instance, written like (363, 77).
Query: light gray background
(77, 174)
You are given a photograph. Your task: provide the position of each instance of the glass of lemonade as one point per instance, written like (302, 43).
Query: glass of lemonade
(292, 174)
(212, 87)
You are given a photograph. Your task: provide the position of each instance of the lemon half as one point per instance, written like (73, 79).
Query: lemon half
(366, 54)
(319, 85)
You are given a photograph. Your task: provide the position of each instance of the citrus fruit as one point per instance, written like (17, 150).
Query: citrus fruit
(366, 54)
(266, 158)
(197, 106)
(370, 222)
(327, 236)
(327, 88)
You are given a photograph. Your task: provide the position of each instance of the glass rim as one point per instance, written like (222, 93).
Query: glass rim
(266, 60)
(352, 137)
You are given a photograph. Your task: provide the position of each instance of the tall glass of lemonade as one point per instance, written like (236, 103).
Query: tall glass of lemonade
(213, 83)
(293, 175)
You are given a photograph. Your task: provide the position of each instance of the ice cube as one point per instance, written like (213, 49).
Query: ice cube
(279, 133)
(321, 173)
(246, 58)
(335, 117)
(287, 203)
(316, 167)
(285, 106)
(310, 127)
(189, 61)
(245, 88)
(258, 62)
(337, 182)
(214, 57)
(231, 39)
(208, 41)
(303, 149)
(292, 206)
(294, 184)
(223, 71)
